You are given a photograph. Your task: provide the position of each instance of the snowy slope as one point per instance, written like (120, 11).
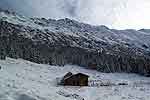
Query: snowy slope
(24, 80)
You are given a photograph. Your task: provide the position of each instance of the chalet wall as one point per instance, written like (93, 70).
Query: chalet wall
(76, 80)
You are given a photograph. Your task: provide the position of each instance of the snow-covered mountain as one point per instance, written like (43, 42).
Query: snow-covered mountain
(24, 80)
(76, 29)
(66, 41)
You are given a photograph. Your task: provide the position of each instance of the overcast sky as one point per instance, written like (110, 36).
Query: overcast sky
(120, 14)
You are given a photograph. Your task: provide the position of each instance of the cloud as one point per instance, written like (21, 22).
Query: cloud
(113, 13)
(135, 14)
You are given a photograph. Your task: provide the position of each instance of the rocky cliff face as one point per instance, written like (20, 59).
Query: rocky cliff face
(66, 41)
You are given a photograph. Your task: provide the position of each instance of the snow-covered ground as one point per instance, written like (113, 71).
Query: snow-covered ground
(24, 80)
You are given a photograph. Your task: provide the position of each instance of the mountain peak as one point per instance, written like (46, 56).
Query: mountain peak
(145, 30)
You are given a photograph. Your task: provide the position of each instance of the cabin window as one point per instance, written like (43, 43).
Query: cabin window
(78, 83)
(74, 83)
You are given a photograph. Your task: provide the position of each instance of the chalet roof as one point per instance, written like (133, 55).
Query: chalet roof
(82, 74)
(69, 74)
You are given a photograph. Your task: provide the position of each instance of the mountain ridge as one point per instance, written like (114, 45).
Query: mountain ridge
(67, 41)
